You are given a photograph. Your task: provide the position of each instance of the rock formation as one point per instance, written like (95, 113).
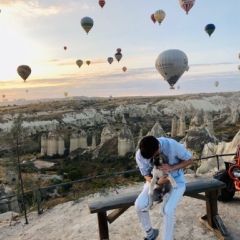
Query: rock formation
(125, 141)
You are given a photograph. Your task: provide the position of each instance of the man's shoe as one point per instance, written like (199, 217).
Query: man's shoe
(154, 235)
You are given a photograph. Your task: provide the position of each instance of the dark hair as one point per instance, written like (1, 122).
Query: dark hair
(148, 146)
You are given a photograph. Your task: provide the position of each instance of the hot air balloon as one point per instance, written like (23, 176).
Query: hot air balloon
(178, 87)
(171, 64)
(27, 91)
(153, 18)
(101, 3)
(65, 48)
(216, 83)
(87, 24)
(3, 96)
(24, 71)
(124, 69)
(79, 63)
(118, 56)
(119, 50)
(186, 5)
(239, 67)
(159, 15)
(239, 55)
(209, 29)
(88, 62)
(110, 60)
(65, 94)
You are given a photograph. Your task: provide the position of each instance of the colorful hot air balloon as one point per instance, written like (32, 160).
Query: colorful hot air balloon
(216, 83)
(79, 63)
(110, 60)
(101, 3)
(119, 50)
(24, 71)
(65, 48)
(118, 56)
(186, 5)
(124, 69)
(87, 24)
(153, 18)
(171, 64)
(65, 94)
(88, 62)
(209, 29)
(159, 15)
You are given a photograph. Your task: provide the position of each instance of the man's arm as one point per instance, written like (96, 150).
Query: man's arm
(181, 164)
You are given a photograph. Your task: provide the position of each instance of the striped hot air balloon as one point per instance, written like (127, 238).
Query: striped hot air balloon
(101, 3)
(186, 5)
(209, 29)
(24, 71)
(87, 24)
(159, 15)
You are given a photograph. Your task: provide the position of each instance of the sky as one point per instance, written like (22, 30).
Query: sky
(34, 33)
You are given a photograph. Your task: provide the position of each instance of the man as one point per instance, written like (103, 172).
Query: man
(178, 158)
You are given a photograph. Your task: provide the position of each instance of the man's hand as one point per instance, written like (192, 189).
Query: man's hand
(163, 180)
(165, 167)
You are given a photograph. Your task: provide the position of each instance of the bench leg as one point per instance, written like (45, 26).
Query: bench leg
(212, 220)
(103, 226)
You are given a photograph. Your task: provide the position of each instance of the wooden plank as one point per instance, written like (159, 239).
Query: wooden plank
(123, 200)
(204, 185)
(196, 195)
(204, 221)
(113, 202)
(103, 226)
(116, 213)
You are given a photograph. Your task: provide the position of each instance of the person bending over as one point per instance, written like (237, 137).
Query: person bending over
(178, 158)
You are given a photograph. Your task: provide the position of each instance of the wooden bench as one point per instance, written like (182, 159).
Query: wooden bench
(121, 202)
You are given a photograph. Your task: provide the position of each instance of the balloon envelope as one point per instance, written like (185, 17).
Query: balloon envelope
(124, 69)
(239, 67)
(153, 18)
(119, 50)
(159, 15)
(24, 71)
(65, 48)
(110, 60)
(101, 3)
(79, 63)
(216, 83)
(186, 5)
(87, 24)
(118, 56)
(171, 64)
(88, 62)
(65, 94)
(210, 29)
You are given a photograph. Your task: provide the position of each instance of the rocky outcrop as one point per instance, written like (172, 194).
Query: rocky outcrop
(157, 130)
(52, 145)
(211, 149)
(125, 141)
(8, 199)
